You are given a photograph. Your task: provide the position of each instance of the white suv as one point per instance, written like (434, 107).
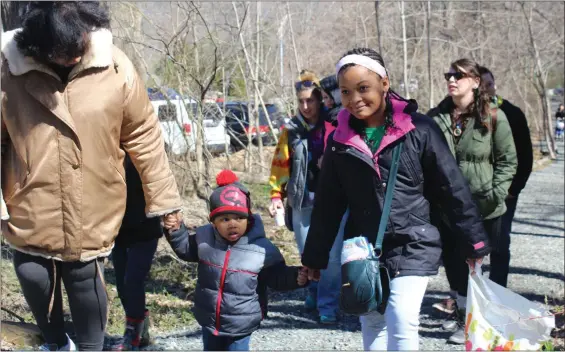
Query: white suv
(178, 125)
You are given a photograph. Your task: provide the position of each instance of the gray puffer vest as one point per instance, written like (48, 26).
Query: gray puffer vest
(230, 297)
(298, 145)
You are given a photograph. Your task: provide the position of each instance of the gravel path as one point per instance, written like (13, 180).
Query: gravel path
(537, 271)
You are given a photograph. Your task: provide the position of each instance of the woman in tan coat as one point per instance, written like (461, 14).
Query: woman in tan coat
(70, 99)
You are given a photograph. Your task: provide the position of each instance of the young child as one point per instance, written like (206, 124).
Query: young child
(236, 264)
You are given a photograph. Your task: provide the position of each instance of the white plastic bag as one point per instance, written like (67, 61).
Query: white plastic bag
(498, 319)
(356, 248)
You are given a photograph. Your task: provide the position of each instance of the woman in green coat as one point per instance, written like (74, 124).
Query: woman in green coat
(479, 136)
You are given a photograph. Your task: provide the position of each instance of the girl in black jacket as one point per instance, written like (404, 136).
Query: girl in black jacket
(132, 257)
(354, 175)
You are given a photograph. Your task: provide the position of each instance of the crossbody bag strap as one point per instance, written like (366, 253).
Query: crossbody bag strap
(388, 197)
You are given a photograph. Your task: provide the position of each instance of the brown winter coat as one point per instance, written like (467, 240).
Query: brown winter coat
(62, 166)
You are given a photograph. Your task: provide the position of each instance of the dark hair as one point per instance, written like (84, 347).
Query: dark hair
(358, 126)
(328, 84)
(485, 71)
(59, 29)
(481, 97)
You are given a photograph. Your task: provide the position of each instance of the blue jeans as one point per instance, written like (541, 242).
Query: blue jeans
(327, 290)
(131, 266)
(212, 342)
(500, 256)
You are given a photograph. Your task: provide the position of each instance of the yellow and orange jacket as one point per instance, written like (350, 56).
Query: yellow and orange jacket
(280, 166)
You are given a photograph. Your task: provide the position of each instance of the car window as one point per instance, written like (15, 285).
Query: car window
(167, 112)
(211, 111)
(235, 113)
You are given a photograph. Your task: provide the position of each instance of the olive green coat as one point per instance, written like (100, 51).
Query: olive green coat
(488, 162)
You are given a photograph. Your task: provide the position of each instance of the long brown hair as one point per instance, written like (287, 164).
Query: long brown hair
(481, 99)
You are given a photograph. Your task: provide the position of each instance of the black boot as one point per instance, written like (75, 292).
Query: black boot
(145, 338)
(132, 335)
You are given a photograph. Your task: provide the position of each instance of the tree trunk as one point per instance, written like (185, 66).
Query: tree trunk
(405, 51)
(257, 91)
(281, 52)
(541, 89)
(378, 27)
(429, 44)
(199, 135)
(292, 37)
(481, 30)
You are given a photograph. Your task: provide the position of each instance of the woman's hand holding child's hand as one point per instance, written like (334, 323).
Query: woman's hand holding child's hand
(172, 221)
(302, 279)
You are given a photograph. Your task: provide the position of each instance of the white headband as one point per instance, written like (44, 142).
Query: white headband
(364, 61)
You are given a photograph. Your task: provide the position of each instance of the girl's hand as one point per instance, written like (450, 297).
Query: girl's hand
(302, 279)
(472, 262)
(276, 203)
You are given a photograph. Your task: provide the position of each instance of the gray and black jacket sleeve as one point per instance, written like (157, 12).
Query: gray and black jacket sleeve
(183, 243)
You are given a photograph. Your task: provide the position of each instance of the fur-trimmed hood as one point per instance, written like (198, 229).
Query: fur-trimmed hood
(98, 54)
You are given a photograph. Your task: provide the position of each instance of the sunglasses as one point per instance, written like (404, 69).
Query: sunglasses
(305, 84)
(456, 75)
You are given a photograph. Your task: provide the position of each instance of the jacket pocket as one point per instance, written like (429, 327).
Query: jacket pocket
(417, 220)
(16, 179)
(119, 169)
(411, 167)
(424, 232)
(486, 201)
(482, 146)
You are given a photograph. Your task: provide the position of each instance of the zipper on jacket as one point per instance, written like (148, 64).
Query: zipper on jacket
(377, 181)
(379, 189)
(221, 290)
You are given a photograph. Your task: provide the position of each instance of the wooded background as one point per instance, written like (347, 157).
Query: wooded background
(253, 51)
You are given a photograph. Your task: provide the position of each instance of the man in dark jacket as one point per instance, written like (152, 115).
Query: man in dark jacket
(132, 256)
(524, 151)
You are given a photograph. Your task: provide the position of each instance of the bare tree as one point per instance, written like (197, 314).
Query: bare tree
(378, 27)
(429, 47)
(404, 51)
(540, 83)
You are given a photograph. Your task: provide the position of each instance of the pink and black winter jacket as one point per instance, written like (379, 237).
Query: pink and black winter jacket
(352, 177)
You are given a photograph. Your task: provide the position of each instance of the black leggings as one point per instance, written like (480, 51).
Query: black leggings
(456, 268)
(40, 280)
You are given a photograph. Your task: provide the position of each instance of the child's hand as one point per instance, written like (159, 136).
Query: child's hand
(302, 279)
(172, 221)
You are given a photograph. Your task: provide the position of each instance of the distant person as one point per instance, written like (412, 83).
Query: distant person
(132, 257)
(560, 112)
(560, 122)
(480, 138)
(559, 127)
(236, 265)
(524, 152)
(71, 101)
(294, 175)
(331, 97)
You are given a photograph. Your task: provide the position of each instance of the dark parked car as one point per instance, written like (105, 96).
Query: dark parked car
(237, 124)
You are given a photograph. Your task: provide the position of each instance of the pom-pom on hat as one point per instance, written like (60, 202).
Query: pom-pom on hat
(231, 197)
